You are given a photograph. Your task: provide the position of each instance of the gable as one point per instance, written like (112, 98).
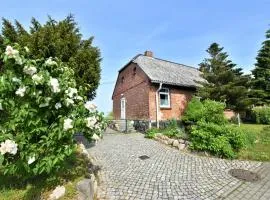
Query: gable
(129, 77)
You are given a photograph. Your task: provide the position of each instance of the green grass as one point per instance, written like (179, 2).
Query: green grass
(75, 169)
(260, 150)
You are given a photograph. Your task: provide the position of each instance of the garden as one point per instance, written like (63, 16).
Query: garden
(42, 108)
(226, 86)
(205, 129)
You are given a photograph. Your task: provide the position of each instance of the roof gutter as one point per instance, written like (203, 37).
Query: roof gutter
(157, 104)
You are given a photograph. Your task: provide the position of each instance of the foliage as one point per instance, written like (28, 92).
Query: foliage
(151, 133)
(222, 141)
(172, 124)
(234, 120)
(193, 112)
(207, 111)
(43, 110)
(261, 73)
(211, 131)
(171, 130)
(224, 82)
(60, 39)
(260, 149)
(261, 115)
(13, 187)
(174, 133)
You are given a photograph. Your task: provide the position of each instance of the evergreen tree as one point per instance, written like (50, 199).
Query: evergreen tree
(60, 39)
(9, 30)
(224, 81)
(261, 74)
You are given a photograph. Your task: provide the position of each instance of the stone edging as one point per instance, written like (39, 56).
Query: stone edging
(180, 144)
(88, 187)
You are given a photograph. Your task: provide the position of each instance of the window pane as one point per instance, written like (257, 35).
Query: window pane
(164, 90)
(164, 100)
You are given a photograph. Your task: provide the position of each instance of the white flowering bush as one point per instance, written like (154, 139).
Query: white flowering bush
(41, 109)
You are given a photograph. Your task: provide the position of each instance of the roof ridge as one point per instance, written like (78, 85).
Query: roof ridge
(166, 61)
(134, 58)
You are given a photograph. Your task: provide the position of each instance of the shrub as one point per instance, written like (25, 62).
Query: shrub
(173, 133)
(171, 129)
(151, 133)
(43, 110)
(208, 111)
(172, 124)
(261, 115)
(194, 111)
(223, 140)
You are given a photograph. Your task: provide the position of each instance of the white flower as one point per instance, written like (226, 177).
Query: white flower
(79, 98)
(55, 85)
(69, 101)
(30, 70)
(57, 193)
(58, 105)
(90, 122)
(42, 105)
(50, 62)
(16, 80)
(11, 53)
(71, 92)
(18, 60)
(31, 160)
(20, 92)
(26, 49)
(37, 78)
(68, 124)
(90, 106)
(8, 146)
(95, 137)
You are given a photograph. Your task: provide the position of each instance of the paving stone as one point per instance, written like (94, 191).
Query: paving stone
(169, 173)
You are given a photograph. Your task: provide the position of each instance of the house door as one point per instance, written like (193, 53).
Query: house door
(123, 108)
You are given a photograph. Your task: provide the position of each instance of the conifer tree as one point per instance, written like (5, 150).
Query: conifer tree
(60, 39)
(261, 74)
(224, 81)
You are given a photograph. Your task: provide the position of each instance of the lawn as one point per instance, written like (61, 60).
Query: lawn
(40, 188)
(260, 150)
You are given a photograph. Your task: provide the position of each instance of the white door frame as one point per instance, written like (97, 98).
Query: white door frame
(123, 108)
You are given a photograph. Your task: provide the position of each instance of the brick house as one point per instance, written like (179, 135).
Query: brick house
(149, 88)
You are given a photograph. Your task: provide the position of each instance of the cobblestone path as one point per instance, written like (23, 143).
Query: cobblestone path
(169, 173)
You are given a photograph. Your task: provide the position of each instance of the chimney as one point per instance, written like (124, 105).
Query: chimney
(148, 53)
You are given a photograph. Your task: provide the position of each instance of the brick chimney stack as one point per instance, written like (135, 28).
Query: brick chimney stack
(148, 53)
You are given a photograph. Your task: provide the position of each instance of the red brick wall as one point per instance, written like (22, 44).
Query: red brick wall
(229, 114)
(178, 100)
(135, 88)
(140, 97)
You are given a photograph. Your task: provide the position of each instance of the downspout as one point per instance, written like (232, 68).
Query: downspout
(157, 104)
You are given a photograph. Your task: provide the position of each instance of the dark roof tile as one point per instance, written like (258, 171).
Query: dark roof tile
(162, 71)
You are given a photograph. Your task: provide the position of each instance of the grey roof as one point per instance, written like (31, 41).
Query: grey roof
(162, 71)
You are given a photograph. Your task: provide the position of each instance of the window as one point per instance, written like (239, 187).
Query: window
(134, 71)
(164, 98)
(122, 79)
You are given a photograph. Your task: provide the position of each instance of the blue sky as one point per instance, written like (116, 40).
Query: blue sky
(176, 30)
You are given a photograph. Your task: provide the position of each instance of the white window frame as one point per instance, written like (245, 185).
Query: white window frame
(169, 99)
